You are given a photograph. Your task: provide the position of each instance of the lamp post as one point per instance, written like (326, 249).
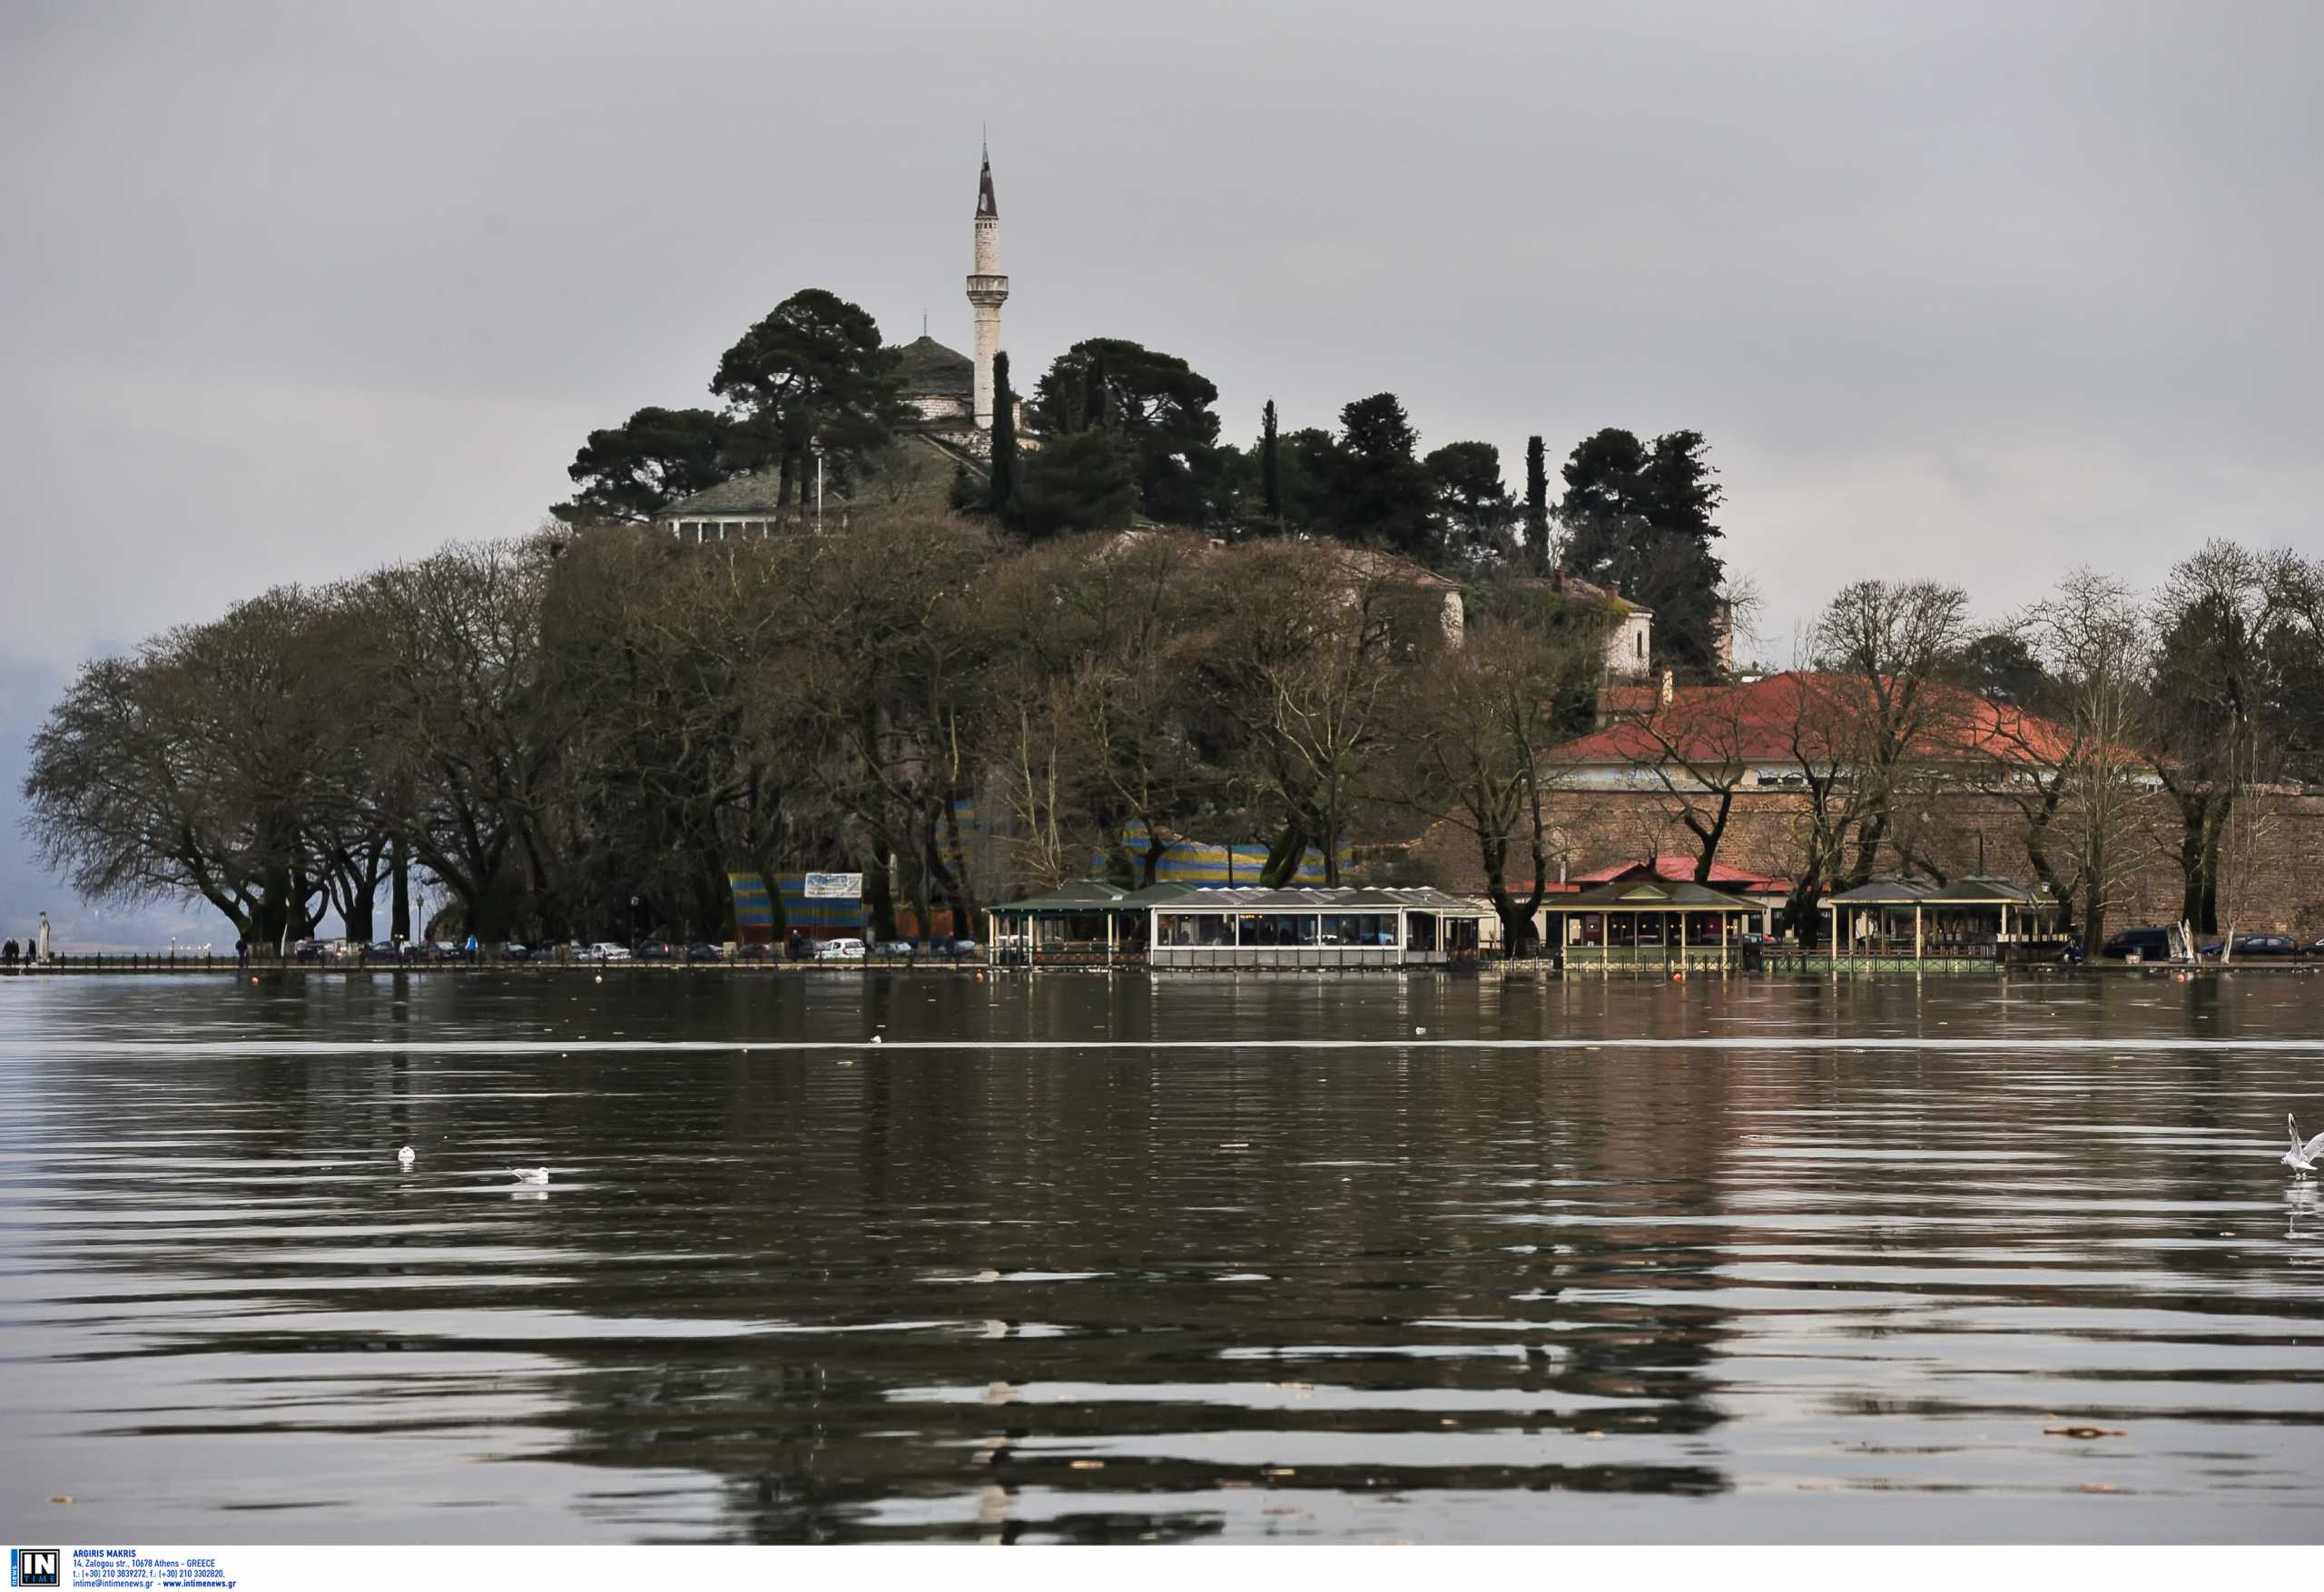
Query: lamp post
(817, 445)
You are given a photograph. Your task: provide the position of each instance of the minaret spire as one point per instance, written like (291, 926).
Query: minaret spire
(987, 287)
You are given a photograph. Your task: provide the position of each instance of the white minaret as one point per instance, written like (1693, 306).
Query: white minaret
(986, 289)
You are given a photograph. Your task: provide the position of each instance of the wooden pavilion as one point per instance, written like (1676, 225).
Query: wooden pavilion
(1973, 917)
(1631, 921)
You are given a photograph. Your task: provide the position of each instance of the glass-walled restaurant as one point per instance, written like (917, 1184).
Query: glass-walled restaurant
(1313, 928)
(1190, 926)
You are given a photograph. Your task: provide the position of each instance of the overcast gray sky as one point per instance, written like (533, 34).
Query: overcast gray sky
(1974, 291)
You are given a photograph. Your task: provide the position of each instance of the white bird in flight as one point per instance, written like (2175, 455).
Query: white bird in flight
(406, 1156)
(2301, 1157)
(529, 1174)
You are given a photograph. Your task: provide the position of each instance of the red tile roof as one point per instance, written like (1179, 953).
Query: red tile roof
(1774, 719)
(1678, 867)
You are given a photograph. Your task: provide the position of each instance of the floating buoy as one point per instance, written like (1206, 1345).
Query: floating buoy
(601, 978)
(406, 1156)
(1679, 977)
(253, 977)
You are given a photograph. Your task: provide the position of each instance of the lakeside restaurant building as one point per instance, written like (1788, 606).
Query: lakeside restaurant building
(1974, 917)
(1186, 927)
(1639, 920)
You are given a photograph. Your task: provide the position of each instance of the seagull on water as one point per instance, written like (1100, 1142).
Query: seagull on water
(529, 1174)
(406, 1154)
(2302, 1158)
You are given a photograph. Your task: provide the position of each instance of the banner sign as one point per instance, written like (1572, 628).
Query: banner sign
(834, 887)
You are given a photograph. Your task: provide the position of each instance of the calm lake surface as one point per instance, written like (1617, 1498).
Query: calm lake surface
(1815, 1263)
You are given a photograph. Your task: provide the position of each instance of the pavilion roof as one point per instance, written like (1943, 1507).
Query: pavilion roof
(1975, 890)
(1883, 892)
(1652, 895)
(1086, 897)
(1678, 867)
(1343, 898)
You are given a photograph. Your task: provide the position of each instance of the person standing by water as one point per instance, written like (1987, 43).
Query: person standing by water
(242, 954)
(8, 956)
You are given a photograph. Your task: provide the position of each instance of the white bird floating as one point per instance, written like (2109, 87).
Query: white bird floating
(2302, 1158)
(529, 1174)
(406, 1156)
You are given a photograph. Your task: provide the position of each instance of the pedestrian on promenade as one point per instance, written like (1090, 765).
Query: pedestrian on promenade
(243, 953)
(8, 956)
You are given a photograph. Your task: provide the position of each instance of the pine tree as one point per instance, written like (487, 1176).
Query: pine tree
(1537, 503)
(1093, 394)
(1002, 497)
(1270, 464)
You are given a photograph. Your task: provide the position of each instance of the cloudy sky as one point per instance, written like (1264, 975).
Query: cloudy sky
(1974, 291)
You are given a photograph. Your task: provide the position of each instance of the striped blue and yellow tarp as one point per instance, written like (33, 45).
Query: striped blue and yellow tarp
(752, 910)
(1192, 863)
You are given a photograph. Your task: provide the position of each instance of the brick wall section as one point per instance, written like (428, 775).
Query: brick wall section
(2272, 878)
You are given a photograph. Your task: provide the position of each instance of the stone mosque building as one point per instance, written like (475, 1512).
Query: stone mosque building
(949, 394)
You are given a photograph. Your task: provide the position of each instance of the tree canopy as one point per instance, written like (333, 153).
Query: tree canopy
(1638, 516)
(632, 472)
(1158, 403)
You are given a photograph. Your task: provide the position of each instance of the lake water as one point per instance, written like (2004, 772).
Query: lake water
(1120, 1260)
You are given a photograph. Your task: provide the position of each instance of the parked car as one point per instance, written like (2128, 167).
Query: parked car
(508, 950)
(605, 950)
(656, 950)
(703, 951)
(383, 950)
(957, 948)
(443, 950)
(840, 950)
(895, 948)
(2256, 944)
(2146, 944)
(307, 950)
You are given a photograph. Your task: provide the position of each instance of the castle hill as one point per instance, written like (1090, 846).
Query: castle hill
(1537, 777)
(881, 617)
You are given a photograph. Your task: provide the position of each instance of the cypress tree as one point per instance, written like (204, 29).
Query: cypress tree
(1270, 464)
(1537, 503)
(1003, 497)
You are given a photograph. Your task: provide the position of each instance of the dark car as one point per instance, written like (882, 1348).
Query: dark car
(2256, 944)
(383, 950)
(703, 951)
(656, 950)
(2145, 945)
(510, 951)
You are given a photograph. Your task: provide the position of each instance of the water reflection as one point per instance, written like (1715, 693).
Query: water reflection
(1088, 1293)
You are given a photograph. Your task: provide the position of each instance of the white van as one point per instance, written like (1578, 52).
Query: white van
(840, 950)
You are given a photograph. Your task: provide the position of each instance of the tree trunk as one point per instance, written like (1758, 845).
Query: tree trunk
(879, 898)
(399, 891)
(1283, 861)
(1709, 835)
(954, 872)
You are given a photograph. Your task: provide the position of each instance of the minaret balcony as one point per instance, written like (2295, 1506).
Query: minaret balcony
(982, 289)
